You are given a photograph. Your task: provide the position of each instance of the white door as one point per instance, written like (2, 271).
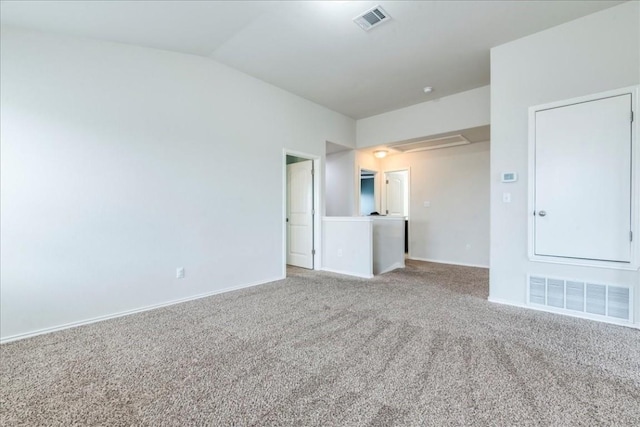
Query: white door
(583, 180)
(397, 194)
(300, 214)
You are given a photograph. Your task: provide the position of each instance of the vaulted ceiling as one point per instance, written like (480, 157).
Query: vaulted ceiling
(313, 49)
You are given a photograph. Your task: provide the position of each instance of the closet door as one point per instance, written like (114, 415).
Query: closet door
(583, 180)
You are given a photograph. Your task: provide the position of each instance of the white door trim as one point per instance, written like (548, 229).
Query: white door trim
(300, 213)
(635, 182)
(318, 198)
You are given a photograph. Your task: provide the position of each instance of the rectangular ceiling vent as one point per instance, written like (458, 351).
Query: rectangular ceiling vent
(371, 18)
(431, 144)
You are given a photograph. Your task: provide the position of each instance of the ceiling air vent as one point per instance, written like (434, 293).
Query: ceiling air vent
(431, 144)
(371, 18)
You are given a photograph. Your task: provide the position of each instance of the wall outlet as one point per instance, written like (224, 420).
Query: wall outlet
(468, 247)
(180, 273)
(339, 252)
(506, 197)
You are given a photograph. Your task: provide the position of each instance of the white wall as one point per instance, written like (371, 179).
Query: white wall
(121, 163)
(455, 181)
(463, 110)
(339, 188)
(593, 54)
(388, 243)
(362, 246)
(347, 245)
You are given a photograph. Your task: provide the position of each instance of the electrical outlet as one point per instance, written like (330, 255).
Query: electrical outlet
(339, 252)
(180, 273)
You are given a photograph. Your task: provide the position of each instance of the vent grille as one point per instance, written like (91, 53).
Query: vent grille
(592, 299)
(431, 144)
(371, 18)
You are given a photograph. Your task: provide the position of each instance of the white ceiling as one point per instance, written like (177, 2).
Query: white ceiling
(313, 49)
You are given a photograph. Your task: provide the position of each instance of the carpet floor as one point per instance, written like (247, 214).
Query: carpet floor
(417, 346)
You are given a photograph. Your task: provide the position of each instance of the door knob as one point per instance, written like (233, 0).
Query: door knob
(542, 213)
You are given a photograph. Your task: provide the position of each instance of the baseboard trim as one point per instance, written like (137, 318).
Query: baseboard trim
(437, 261)
(43, 331)
(346, 273)
(393, 267)
(506, 302)
(563, 313)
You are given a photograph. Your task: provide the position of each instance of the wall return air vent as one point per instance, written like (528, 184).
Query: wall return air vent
(581, 298)
(371, 18)
(431, 144)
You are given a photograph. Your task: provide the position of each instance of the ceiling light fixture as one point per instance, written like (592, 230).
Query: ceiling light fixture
(428, 89)
(381, 154)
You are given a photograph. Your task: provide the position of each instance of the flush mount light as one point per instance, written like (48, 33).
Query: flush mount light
(428, 89)
(380, 153)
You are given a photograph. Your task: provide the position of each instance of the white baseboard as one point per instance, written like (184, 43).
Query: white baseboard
(564, 313)
(393, 267)
(348, 273)
(133, 311)
(506, 302)
(439, 261)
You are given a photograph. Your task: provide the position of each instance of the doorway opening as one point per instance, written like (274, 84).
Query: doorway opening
(367, 192)
(301, 225)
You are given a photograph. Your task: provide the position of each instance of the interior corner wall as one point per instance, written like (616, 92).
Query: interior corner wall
(454, 228)
(596, 53)
(121, 163)
(462, 110)
(339, 185)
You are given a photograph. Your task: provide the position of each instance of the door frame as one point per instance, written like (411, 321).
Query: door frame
(317, 203)
(635, 182)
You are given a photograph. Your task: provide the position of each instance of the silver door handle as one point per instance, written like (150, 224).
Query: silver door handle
(542, 213)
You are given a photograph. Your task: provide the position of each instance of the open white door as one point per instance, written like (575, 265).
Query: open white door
(397, 194)
(583, 180)
(300, 214)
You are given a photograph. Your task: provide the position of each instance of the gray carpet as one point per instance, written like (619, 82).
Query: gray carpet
(418, 346)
